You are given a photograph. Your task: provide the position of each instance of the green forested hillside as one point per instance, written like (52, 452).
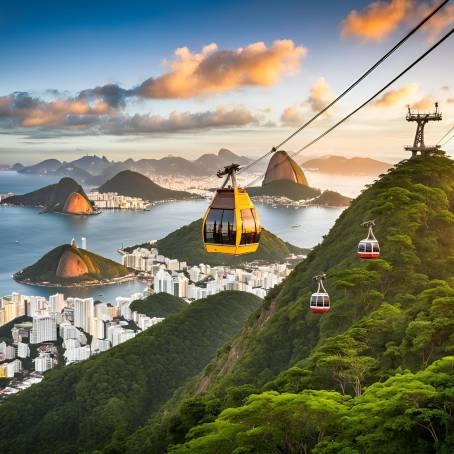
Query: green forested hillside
(159, 305)
(135, 184)
(86, 406)
(186, 244)
(374, 375)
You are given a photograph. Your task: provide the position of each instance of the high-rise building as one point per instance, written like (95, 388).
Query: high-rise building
(84, 312)
(84, 243)
(163, 282)
(44, 330)
(56, 302)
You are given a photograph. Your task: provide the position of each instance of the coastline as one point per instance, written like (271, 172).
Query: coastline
(116, 280)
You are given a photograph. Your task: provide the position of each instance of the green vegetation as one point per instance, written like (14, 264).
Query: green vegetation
(135, 184)
(51, 198)
(285, 188)
(373, 375)
(45, 269)
(159, 305)
(86, 406)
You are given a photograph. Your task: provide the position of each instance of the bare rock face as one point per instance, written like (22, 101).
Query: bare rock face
(77, 204)
(283, 167)
(71, 265)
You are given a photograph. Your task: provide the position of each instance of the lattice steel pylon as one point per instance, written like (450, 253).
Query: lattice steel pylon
(422, 119)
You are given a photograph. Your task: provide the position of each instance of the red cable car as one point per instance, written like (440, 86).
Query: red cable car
(369, 247)
(320, 299)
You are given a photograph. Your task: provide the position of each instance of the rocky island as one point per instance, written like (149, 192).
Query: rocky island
(70, 266)
(66, 197)
(285, 183)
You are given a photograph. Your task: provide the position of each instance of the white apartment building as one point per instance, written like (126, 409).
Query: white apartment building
(84, 312)
(44, 330)
(23, 350)
(56, 303)
(13, 367)
(43, 363)
(77, 354)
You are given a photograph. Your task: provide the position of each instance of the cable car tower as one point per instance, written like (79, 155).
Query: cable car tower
(422, 119)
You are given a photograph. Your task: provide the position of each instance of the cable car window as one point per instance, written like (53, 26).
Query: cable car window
(258, 229)
(228, 227)
(362, 247)
(249, 234)
(368, 247)
(376, 247)
(220, 227)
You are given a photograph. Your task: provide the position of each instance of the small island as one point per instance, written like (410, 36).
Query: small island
(134, 184)
(70, 266)
(66, 197)
(285, 183)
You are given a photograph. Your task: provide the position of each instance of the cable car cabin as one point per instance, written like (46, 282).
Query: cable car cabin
(319, 302)
(369, 247)
(231, 224)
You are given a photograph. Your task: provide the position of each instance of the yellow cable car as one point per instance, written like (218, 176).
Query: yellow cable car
(231, 224)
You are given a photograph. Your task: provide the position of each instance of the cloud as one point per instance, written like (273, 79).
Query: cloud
(380, 18)
(21, 109)
(111, 94)
(292, 116)
(20, 112)
(100, 109)
(216, 71)
(320, 95)
(221, 117)
(376, 21)
(393, 97)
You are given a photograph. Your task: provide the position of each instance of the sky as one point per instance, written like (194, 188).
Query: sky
(151, 79)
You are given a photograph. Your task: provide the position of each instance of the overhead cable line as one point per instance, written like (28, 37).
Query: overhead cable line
(353, 112)
(447, 134)
(348, 89)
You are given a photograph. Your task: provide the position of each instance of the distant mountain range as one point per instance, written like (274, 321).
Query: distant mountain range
(134, 184)
(94, 170)
(340, 165)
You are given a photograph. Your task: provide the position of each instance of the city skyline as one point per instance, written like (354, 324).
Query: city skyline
(124, 84)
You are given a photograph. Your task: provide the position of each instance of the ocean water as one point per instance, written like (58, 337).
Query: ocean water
(26, 234)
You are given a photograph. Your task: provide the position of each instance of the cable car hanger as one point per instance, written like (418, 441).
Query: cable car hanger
(320, 302)
(231, 224)
(369, 248)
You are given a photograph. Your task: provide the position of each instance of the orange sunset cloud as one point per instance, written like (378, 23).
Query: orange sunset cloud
(215, 71)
